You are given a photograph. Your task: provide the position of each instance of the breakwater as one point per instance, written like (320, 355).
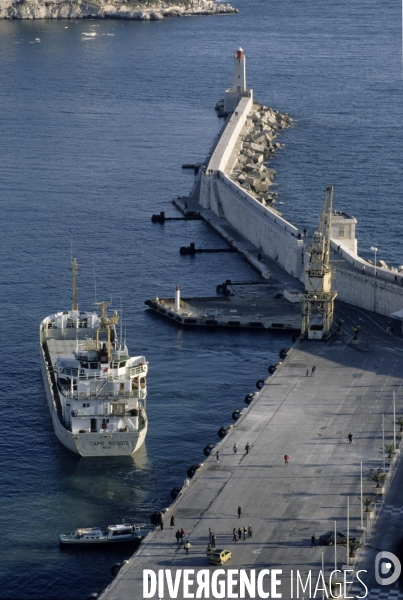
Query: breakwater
(235, 184)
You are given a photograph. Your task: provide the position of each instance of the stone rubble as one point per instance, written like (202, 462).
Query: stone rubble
(258, 148)
(148, 10)
(383, 265)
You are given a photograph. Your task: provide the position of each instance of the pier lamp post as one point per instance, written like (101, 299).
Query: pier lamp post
(374, 250)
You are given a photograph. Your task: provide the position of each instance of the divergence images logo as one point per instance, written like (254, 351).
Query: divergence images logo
(387, 563)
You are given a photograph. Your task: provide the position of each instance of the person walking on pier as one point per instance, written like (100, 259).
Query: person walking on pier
(161, 521)
(234, 538)
(178, 536)
(239, 512)
(250, 531)
(307, 373)
(350, 438)
(235, 448)
(245, 531)
(217, 455)
(286, 459)
(213, 537)
(313, 371)
(182, 534)
(210, 534)
(173, 521)
(313, 541)
(239, 533)
(247, 448)
(188, 545)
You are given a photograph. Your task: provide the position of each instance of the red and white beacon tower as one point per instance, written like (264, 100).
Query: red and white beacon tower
(232, 96)
(239, 72)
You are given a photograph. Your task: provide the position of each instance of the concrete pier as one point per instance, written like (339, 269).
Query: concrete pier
(270, 305)
(309, 418)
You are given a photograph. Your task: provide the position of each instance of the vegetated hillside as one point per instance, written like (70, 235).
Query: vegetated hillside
(143, 10)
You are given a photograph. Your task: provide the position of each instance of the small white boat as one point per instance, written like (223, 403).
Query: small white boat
(113, 534)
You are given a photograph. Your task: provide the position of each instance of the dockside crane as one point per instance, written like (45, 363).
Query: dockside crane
(317, 303)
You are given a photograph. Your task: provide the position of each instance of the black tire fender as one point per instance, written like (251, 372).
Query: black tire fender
(236, 414)
(272, 368)
(208, 450)
(222, 432)
(192, 470)
(115, 569)
(248, 398)
(260, 384)
(155, 518)
(175, 492)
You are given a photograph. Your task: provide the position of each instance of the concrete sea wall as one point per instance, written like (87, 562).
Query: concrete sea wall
(367, 292)
(364, 285)
(260, 224)
(265, 229)
(358, 282)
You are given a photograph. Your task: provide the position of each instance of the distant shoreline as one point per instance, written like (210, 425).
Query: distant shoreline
(102, 9)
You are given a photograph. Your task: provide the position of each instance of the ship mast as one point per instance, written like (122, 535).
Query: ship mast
(74, 268)
(106, 323)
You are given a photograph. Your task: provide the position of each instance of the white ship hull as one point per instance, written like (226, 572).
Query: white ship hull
(95, 391)
(91, 444)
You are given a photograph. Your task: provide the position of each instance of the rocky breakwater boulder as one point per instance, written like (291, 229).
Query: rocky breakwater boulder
(119, 9)
(251, 170)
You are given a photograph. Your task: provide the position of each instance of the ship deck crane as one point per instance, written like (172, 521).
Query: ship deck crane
(317, 303)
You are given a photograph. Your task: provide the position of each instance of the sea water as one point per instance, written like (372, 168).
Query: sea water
(96, 119)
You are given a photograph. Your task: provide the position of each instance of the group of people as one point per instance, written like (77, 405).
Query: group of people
(235, 449)
(180, 538)
(237, 534)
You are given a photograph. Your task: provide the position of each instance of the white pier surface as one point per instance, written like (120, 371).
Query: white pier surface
(308, 418)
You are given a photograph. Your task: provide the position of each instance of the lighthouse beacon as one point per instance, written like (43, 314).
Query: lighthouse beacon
(238, 89)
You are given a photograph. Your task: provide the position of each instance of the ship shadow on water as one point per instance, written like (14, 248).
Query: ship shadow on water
(119, 551)
(117, 486)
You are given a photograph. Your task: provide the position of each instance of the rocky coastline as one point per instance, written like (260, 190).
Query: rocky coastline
(151, 10)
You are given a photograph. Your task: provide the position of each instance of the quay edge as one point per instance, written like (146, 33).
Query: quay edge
(308, 418)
